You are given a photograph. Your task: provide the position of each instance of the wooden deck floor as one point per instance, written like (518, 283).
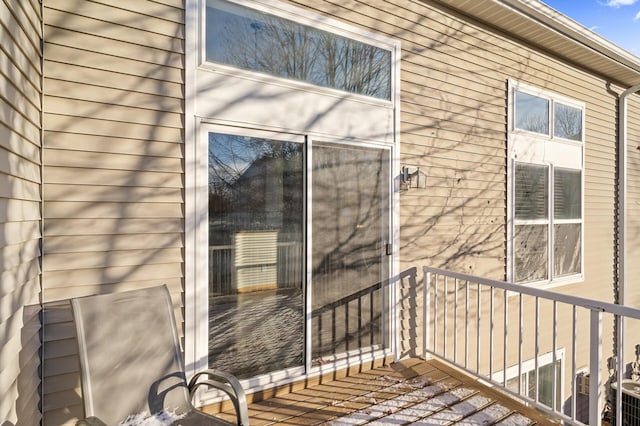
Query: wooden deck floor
(410, 392)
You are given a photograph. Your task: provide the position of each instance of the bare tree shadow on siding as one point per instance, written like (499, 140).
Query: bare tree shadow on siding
(116, 186)
(114, 139)
(20, 235)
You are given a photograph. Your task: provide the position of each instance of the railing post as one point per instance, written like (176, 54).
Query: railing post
(595, 369)
(425, 312)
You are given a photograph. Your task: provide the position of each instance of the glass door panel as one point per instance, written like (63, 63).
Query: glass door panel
(256, 262)
(350, 230)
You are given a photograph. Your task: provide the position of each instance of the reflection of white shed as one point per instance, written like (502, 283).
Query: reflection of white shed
(255, 256)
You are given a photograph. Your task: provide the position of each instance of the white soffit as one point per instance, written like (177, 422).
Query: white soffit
(554, 32)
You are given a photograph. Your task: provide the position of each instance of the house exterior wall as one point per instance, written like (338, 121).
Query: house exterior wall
(113, 175)
(454, 104)
(114, 162)
(632, 298)
(20, 188)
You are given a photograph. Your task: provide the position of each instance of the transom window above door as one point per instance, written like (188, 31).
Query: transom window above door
(254, 40)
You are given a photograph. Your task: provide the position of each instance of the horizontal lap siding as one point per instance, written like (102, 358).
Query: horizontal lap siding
(20, 211)
(113, 175)
(453, 125)
(633, 202)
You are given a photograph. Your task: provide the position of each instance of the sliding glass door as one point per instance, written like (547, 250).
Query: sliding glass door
(256, 262)
(350, 268)
(272, 307)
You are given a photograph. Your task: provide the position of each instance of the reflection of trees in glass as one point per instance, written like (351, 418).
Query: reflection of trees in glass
(532, 113)
(246, 39)
(254, 184)
(567, 122)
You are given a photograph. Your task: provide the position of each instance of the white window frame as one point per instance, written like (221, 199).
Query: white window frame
(534, 364)
(303, 17)
(538, 149)
(199, 122)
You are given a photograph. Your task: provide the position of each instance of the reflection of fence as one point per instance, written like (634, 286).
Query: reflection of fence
(222, 268)
(349, 323)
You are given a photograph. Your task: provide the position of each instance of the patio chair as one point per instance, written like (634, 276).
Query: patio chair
(131, 363)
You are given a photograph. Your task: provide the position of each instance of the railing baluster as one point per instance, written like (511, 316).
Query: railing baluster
(466, 324)
(520, 341)
(435, 312)
(426, 309)
(619, 365)
(537, 347)
(478, 330)
(554, 357)
(573, 364)
(595, 372)
(506, 327)
(491, 319)
(445, 303)
(455, 321)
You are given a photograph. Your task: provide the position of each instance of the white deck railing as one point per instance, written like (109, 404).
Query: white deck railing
(490, 328)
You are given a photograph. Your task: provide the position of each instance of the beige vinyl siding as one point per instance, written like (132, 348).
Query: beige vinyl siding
(20, 211)
(113, 175)
(453, 124)
(633, 204)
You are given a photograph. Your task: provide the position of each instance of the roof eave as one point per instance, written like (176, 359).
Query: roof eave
(564, 37)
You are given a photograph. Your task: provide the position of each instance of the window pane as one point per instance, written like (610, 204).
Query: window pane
(567, 122)
(255, 41)
(255, 254)
(567, 249)
(567, 190)
(545, 391)
(531, 192)
(532, 113)
(350, 230)
(531, 253)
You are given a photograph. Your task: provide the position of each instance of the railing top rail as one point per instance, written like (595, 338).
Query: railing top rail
(611, 308)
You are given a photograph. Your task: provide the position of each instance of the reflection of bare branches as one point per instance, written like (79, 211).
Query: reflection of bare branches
(290, 50)
(567, 122)
(534, 123)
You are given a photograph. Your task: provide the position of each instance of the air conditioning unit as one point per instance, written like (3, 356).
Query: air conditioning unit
(583, 383)
(630, 402)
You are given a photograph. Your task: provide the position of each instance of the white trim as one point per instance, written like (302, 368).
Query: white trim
(202, 116)
(308, 314)
(293, 375)
(307, 18)
(192, 335)
(316, 20)
(330, 364)
(530, 365)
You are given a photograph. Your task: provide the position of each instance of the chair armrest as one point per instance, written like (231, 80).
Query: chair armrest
(229, 385)
(90, 421)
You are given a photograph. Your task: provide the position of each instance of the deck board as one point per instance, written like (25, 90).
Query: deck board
(409, 392)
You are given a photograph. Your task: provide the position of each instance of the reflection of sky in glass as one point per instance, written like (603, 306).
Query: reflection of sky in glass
(230, 156)
(251, 40)
(532, 113)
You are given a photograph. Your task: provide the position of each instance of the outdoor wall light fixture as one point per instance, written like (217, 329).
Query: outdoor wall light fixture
(413, 177)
